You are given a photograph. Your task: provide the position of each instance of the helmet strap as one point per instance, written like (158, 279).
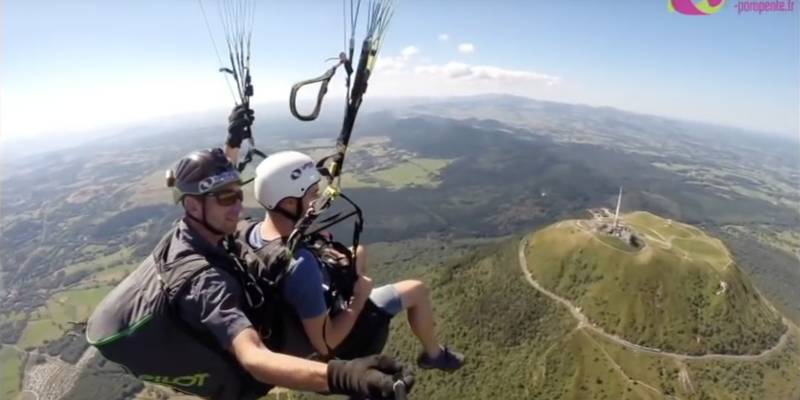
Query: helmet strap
(292, 216)
(204, 221)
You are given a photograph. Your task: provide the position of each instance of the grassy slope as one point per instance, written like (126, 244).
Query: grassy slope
(772, 378)
(10, 372)
(51, 321)
(416, 171)
(656, 296)
(487, 311)
(38, 331)
(74, 305)
(111, 260)
(521, 344)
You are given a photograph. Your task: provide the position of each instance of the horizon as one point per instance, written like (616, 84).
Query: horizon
(156, 61)
(201, 118)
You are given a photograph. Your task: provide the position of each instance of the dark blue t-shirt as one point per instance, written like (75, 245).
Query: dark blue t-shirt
(305, 286)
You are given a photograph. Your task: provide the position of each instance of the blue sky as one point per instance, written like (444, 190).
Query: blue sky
(69, 67)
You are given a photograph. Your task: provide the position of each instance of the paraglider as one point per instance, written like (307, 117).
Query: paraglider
(200, 299)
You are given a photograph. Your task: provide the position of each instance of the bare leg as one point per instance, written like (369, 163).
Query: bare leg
(417, 301)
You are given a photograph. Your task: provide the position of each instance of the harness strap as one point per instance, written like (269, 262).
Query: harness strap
(329, 349)
(248, 158)
(324, 80)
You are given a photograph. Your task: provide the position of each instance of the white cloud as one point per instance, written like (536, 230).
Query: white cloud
(460, 79)
(409, 51)
(396, 63)
(466, 48)
(443, 37)
(465, 72)
(388, 63)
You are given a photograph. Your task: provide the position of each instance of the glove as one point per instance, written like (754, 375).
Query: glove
(372, 376)
(239, 123)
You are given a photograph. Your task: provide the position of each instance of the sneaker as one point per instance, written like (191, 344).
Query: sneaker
(447, 360)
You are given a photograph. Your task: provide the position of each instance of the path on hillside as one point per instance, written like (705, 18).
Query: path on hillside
(583, 322)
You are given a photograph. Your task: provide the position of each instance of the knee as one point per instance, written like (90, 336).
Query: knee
(412, 292)
(419, 288)
(361, 252)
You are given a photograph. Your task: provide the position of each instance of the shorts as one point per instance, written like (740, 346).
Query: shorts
(371, 330)
(388, 299)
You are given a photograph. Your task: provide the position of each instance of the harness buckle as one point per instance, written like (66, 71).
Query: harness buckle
(332, 191)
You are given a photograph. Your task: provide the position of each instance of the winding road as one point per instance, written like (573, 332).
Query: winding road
(583, 322)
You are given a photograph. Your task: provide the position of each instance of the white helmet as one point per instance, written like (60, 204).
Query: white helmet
(284, 174)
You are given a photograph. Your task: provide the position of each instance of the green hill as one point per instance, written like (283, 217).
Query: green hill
(679, 292)
(522, 344)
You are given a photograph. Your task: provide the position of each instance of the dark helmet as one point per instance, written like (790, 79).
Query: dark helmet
(201, 172)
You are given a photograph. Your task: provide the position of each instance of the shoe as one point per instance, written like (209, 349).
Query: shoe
(447, 360)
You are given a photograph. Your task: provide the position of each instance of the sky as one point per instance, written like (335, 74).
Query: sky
(68, 67)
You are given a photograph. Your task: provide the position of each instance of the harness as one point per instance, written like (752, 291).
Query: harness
(141, 313)
(272, 262)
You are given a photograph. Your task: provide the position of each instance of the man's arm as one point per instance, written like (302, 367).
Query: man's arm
(372, 376)
(303, 290)
(240, 122)
(278, 369)
(213, 304)
(336, 329)
(233, 154)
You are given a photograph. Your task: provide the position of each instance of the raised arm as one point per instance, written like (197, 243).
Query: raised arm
(240, 123)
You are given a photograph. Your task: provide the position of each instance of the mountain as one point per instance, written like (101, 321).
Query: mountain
(675, 289)
(523, 343)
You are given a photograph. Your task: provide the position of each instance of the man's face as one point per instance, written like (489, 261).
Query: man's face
(291, 204)
(222, 208)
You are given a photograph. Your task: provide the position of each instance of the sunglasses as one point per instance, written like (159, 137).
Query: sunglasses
(228, 197)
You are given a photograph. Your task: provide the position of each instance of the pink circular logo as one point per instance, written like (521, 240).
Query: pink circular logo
(693, 7)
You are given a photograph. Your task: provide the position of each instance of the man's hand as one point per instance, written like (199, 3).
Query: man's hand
(362, 288)
(240, 122)
(372, 376)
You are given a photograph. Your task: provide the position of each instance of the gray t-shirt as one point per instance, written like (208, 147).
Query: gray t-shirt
(213, 303)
